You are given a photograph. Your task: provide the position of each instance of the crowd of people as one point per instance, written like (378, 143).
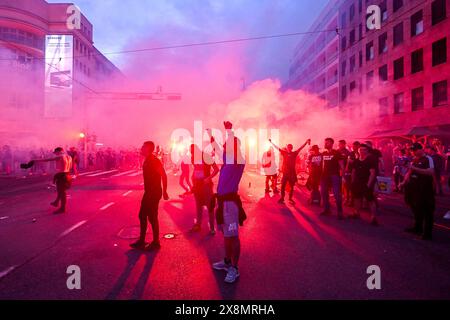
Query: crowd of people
(354, 176)
(351, 174)
(101, 159)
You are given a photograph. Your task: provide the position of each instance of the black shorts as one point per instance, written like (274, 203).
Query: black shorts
(362, 191)
(149, 207)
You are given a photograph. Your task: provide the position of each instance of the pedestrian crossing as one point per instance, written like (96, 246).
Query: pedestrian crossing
(111, 173)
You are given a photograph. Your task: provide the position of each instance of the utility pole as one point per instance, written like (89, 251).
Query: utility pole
(339, 66)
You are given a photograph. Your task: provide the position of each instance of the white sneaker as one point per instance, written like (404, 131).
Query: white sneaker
(232, 275)
(447, 215)
(221, 265)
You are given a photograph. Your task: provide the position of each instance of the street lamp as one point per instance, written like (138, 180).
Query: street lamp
(83, 136)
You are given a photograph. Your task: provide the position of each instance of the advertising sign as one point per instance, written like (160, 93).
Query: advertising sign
(58, 76)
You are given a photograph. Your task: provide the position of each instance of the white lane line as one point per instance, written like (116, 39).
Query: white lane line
(4, 218)
(102, 173)
(79, 224)
(107, 206)
(5, 272)
(127, 193)
(135, 174)
(123, 173)
(90, 172)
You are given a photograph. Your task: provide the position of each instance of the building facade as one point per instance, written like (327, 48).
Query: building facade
(31, 77)
(396, 77)
(315, 63)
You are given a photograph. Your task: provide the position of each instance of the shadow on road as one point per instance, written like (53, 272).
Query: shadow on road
(133, 257)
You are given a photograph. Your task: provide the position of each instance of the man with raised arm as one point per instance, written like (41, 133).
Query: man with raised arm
(230, 213)
(62, 178)
(288, 169)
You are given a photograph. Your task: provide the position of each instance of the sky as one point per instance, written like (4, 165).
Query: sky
(121, 25)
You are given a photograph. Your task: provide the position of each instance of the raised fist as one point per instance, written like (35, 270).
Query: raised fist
(228, 125)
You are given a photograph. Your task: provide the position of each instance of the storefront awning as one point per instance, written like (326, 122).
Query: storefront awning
(434, 131)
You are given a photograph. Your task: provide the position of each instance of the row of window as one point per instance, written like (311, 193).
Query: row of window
(82, 67)
(416, 28)
(438, 10)
(82, 48)
(440, 98)
(21, 37)
(439, 56)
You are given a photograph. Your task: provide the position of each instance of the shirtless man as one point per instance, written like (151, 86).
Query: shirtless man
(62, 177)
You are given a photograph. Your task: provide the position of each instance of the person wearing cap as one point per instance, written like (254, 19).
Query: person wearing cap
(62, 178)
(419, 193)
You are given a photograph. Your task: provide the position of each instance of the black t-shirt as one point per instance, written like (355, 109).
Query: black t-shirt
(202, 170)
(351, 160)
(315, 164)
(331, 165)
(378, 155)
(362, 169)
(420, 181)
(289, 161)
(345, 153)
(153, 170)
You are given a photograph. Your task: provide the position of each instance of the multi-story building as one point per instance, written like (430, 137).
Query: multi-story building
(396, 77)
(46, 68)
(315, 61)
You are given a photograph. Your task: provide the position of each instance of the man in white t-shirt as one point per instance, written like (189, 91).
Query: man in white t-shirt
(270, 170)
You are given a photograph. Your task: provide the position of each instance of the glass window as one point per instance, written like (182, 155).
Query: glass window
(397, 5)
(384, 106)
(440, 52)
(382, 43)
(399, 105)
(399, 71)
(438, 11)
(417, 23)
(398, 34)
(370, 55)
(417, 61)
(417, 100)
(440, 93)
(383, 73)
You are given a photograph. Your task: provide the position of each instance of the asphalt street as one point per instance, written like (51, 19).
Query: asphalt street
(288, 252)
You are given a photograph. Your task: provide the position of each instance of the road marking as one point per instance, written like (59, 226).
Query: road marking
(79, 224)
(441, 226)
(135, 174)
(5, 272)
(127, 193)
(102, 173)
(107, 206)
(90, 172)
(4, 218)
(142, 184)
(123, 173)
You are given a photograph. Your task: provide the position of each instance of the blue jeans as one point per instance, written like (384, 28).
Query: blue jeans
(335, 182)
